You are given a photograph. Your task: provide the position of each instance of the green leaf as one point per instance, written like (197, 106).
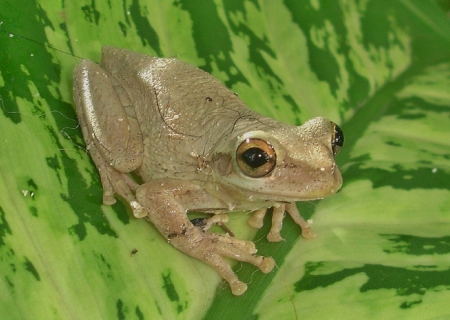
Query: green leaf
(380, 69)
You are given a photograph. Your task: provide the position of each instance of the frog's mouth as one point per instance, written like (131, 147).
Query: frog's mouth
(281, 187)
(273, 189)
(301, 195)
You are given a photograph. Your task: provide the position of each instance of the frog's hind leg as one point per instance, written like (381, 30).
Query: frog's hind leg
(169, 216)
(101, 107)
(113, 181)
(112, 134)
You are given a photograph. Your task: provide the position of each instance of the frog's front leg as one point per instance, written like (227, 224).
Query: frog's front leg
(256, 221)
(166, 207)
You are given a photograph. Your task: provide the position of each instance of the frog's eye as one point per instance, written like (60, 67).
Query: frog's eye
(256, 158)
(337, 139)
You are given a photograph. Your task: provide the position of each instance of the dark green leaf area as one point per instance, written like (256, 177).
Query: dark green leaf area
(30, 267)
(31, 62)
(4, 227)
(139, 314)
(376, 27)
(9, 283)
(258, 47)
(104, 266)
(216, 49)
(398, 177)
(53, 163)
(121, 310)
(33, 210)
(144, 29)
(322, 61)
(91, 14)
(413, 108)
(171, 291)
(123, 211)
(295, 109)
(85, 200)
(11, 266)
(414, 245)
(444, 5)
(32, 184)
(94, 217)
(404, 281)
(87, 206)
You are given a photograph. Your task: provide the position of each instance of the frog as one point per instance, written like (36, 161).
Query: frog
(169, 139)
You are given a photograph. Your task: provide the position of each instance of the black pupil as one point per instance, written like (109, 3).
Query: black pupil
(255, 157)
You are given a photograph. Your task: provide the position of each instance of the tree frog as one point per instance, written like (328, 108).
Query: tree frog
(170, 139)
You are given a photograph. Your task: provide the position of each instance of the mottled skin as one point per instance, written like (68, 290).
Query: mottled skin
(178, 128)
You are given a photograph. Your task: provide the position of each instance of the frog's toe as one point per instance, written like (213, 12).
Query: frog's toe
(138, 209)
(238, 287)
(274, 236)
(267, 264)
(108, 198)
(256, 220)
(213, 249)
(308, 233)
(235, 247)
(244, 251)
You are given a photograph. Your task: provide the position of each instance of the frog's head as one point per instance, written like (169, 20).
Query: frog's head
(286, 163)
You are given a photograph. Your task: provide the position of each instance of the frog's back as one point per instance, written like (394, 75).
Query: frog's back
(182, 110)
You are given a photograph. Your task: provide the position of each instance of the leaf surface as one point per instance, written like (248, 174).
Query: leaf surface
(380, 69)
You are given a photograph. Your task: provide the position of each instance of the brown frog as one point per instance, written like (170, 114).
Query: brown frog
(194, 146)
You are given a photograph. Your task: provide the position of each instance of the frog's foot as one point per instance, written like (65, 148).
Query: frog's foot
(115, 182)
(256, 221)
(214, 248)
(307, 232)
(166, 211)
